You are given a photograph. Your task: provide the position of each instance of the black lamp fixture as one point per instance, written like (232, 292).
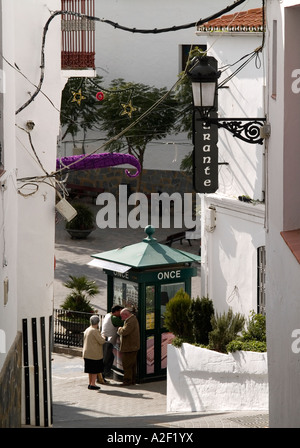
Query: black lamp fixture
(204, 76)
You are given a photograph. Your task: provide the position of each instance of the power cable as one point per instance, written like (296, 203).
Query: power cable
(115, 25)
(155, 31)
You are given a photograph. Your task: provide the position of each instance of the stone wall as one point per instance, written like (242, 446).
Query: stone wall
(152, 181)
(10, 386)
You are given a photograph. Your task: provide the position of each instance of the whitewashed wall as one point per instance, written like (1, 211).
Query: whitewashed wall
(242, 98)
(201, 380)
(283, 279)
(152, 59)
(229, 252)
(8, 194)
(29, 207)
(36, 212)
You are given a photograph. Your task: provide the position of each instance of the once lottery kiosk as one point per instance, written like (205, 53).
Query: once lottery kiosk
(144, 277)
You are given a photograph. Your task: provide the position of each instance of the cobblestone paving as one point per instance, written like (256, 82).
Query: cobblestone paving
(253, 421)
(140, 406)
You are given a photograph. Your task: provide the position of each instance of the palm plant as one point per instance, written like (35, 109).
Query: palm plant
(226, 327)
(79, 298)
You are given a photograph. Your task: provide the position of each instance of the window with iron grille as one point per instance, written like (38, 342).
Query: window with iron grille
(261, 280)
(78, 35)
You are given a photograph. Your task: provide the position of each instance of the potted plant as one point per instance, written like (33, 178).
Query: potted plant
(77, 302)
(83, 223)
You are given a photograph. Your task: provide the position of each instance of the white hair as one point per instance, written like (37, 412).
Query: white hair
(94, 320)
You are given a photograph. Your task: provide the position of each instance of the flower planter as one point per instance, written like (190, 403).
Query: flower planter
(79, 234)
(204, 380)
(74, 327)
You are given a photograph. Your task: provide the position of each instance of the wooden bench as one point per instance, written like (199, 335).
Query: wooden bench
(179, 236)
(76, 190)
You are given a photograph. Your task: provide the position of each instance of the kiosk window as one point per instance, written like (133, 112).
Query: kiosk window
(150, 355)
(150, 307)
(125, 294)
(168, 291)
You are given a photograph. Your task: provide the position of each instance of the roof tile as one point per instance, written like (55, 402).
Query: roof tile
(243, 21)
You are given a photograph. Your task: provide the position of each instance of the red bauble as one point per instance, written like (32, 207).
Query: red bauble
(100, 96)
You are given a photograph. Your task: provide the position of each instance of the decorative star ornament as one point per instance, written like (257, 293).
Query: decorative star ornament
(78, 97)
(128, 108)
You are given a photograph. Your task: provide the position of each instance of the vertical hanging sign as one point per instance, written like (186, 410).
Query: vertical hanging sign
(205, 154)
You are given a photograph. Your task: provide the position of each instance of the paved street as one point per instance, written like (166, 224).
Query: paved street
(140, 406)
(73, 256)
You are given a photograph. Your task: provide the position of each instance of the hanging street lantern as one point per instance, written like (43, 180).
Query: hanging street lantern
(203, 73)
(204, 77)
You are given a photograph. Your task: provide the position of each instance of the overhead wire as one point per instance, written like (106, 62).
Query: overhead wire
(115, 25)
(133, 30)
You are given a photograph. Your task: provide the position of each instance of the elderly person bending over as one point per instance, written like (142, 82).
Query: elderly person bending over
(93, 352)
(129, 346)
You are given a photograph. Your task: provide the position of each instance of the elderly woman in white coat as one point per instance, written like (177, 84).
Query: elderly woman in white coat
(92, 352)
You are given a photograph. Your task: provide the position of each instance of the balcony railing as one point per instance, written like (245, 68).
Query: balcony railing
(78, 35)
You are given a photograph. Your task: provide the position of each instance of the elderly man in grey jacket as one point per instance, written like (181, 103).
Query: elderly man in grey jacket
(129, 345)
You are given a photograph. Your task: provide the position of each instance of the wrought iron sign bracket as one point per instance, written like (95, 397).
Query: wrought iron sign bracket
(246, 129)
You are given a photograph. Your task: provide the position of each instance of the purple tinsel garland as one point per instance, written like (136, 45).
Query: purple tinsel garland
(94, 161)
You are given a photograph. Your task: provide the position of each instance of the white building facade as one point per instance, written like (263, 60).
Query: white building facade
(31, 85)
(233, 231)
(283, 212)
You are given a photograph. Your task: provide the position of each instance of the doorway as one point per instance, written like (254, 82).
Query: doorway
(157, 337)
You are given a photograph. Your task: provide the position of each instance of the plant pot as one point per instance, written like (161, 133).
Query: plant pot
(82, 224)
(74, 327)
(79, 234)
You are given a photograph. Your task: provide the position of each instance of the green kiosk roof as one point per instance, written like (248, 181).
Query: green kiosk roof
(145, 254)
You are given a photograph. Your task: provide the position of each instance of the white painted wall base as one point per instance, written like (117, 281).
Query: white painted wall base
(203, 380)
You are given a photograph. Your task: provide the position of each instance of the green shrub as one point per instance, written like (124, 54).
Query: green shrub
(225, 329)
(254, 338)
(176, 319)
(248, 346)
(200, 314)
(256, 328)
(177, 342)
